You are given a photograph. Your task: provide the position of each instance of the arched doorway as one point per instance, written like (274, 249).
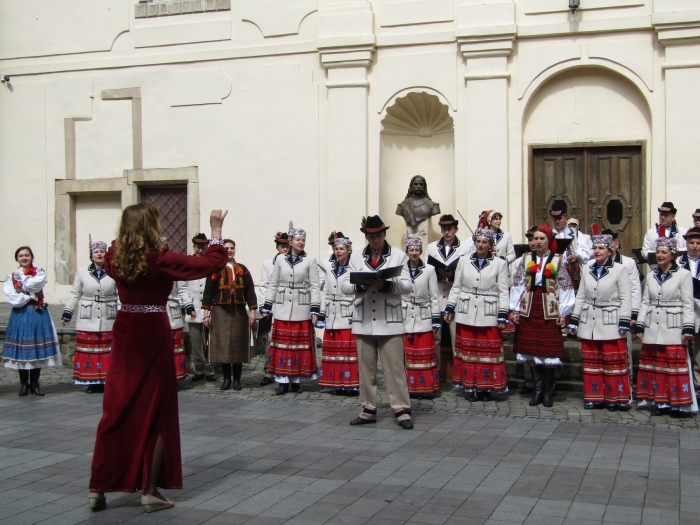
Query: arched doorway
(587, 131)
(417, 138)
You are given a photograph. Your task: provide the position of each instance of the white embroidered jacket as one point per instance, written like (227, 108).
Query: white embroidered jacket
(179, 298)
(336, 306)
(667, 307)
(31, 286)
(421, 308)
(438, 251)
(693, 266)
(378, 312)
(561, 297)
(603, 304)
(479, 296)
(294, 290)
(96, 299)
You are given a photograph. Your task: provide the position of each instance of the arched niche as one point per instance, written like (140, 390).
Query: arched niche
(417, 138)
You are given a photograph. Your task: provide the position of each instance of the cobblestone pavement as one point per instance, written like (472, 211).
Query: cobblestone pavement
(252, 457)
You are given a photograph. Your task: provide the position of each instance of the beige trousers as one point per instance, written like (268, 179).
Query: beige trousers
(389, 348)
(438, 339)
(200, 366)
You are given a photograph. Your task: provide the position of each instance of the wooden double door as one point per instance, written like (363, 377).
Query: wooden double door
(598, 184)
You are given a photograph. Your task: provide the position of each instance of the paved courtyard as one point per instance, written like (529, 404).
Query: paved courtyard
(251, 457)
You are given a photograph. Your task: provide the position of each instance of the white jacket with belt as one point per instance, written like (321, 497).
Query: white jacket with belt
(479, 296)
(179, 298)
(421, 308)
(378, 312)
(505, 248)
(667, 307)
(438, 250)
(603, 304)
(635, 282)
(294, 289)
(196, 289)
(336, 306)
(96, 299)
(693, 266)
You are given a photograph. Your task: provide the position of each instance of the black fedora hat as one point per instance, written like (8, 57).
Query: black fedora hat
(692, 232)
(448, 220)
(558, 209)
(200, 238)
(668, 207)
(373, 224)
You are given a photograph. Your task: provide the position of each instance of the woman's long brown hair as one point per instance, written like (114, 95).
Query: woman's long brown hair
(139, 233)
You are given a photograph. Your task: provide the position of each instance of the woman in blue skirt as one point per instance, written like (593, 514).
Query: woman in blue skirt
(31, 341)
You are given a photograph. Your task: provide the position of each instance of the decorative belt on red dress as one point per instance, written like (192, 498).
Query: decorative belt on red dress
(144, 308)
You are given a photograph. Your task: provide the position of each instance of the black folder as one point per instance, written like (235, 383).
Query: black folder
(432, 261)
(360, 278)
(562, 245)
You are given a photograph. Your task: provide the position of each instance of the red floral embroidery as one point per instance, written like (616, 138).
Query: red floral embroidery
(30, 271)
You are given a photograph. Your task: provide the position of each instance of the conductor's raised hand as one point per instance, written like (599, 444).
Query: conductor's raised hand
(216, 221)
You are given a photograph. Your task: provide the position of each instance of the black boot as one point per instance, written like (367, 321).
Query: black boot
(24, 381)
(539, 388)
(282, 389)
(472, 396)
(34, 386)
(296, 388)
(548, 385)
(237, 371)
(226, 369)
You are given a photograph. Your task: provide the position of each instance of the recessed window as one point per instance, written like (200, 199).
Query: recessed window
(614, 212)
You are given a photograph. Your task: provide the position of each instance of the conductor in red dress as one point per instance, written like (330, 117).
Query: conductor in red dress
(138, 438)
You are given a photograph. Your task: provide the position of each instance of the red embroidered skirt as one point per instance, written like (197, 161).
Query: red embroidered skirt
(606, 373)
(292, 350)
(479, 363)
(537, 336)
(665, 376)
(339, 367)
(140, 402)
(179, 349)
(421, 364)
(91, 359)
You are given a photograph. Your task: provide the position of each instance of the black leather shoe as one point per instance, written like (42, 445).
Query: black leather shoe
(237, 384)
(34, 386)
(611, 407)
(266, 381)
(352, 393)
(590, 405)
(211, 377)
(226, 385)
(91, 389)
(659, 411)
(485, 396)
(406, 424)
(472, 396)
(197, 377)
(296, 388)
(282, 389)
(362, 421)
(24, 390)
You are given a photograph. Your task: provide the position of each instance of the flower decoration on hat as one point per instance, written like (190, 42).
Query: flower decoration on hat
(483, 233)
(97, 245)
(414, 242)
(484, 219)
(666, 242)
(295, 232)
(282, 238)
(602, 240)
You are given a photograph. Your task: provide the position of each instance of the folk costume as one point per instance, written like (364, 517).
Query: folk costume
(197, 362)
(692, 264)
(447, 254)
(377, 323)
(580, 242)
(295, 295)
(479, 301)
(665, 377)
(94, 293)
(602, 311)
(542, 292)
(265, 324)
(31, 341)
(339, 366)
(226, 295)
(503, 242)
(658, 231)
(422, 314)
(178, 300)
(140, 400)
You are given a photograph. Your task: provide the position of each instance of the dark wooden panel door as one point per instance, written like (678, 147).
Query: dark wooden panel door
(172, 202)
(601, 184)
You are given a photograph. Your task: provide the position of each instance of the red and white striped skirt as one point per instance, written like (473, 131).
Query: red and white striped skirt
(179, 350)
(292, 351)
(91, 359)
(665, 377)
(606, 373)
(421, 364)
(479, 363)
(339, 367)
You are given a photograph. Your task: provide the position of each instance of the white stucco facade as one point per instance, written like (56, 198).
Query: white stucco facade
(307, 110)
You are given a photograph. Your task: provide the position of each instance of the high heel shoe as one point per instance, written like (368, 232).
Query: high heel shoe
(97, 501)
(154, 503)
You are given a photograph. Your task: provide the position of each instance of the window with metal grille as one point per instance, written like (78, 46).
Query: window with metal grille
(172, 202)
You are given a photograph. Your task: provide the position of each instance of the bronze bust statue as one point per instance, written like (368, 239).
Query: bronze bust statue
(417, 206)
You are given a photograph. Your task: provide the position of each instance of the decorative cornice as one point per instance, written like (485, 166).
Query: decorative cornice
(179, 7)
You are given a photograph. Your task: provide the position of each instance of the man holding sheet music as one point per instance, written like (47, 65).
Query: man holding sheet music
(378, 321)
(691, 262)
(444, 256)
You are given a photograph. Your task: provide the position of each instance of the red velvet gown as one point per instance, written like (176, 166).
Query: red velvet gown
(140, 398)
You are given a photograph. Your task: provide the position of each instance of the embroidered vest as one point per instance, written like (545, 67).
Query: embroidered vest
(550, 295)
